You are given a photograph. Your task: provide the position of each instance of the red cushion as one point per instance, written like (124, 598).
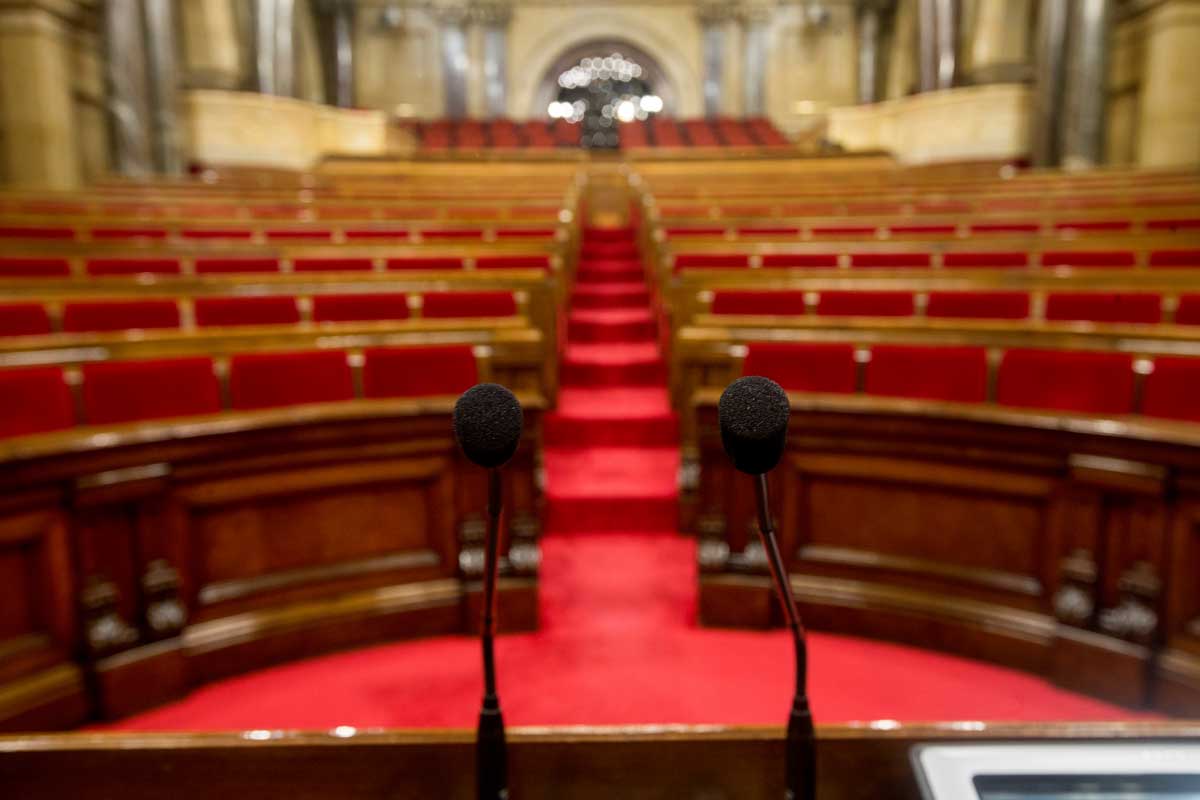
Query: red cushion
(359, 307)
(311, 234)
(122, 391)
(1104, 307)
(890, 260)
(23, 319)
(1094, 382)
(1173, 224)
(844, 230)
(958, 374)
(440, 305)
(424, 263)
(132, 266)
(1170, 391)
(1175, 258)
(332, 265)
(128, 233)
(267, 310)
(768, 230)
(216, 233)
(978, 305)
(119, 315)
(236, 264)
(1005, 227)
(525, 233)
(711, 261)
(804, 367)
(1095, 225)
(18, 267)
(1188, 312)
(376, 233)
(868, 304)
(34, 400)
(785, 260)
(266, 380)
(942, 230)
(453, 233)
(1087, 258)
(512, 262)
(418, 371)
(35, 232)
(986, 260)
(781, 303)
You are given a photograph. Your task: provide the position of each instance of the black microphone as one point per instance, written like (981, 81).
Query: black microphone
(754, 415)
(487, 424)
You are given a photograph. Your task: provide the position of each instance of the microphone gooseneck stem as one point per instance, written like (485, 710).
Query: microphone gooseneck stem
(491, 756)
(801, 774)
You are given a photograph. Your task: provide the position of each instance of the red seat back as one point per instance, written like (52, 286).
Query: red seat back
(266, 380)
(781, 303)
(985, 260)
(34, 400)
(233, 265)
(332, 265)
(20, 267)
(1088, 258)
(804, 367)
(266, 310)
(119, 315)
(905, 260)
(866, 304)
(796, 260)
(1188, 312)
(430, 263)
(23, 319)
(123, 391)
(711, 261)
(1066, 380)
(958, 374)
(441, 305)
(1170, 390)
(512, 262)
(1104, 307)
(132, 266)
(359, 307)
(418, 371)
(1175, 258)
(978, 305)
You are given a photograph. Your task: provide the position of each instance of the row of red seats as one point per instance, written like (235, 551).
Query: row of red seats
(661, 131)
(1064, 380)
(60, 233)
(499, 133)
(946, 229)
(1126, 259)
(282, 211)
(1111, 307)
(39, 399)
(57, 267)
(33, 319)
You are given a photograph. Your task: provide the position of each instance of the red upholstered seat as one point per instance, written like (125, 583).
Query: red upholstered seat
(1170, 391)
(122, 391)
(800, 261)
(226, 264)
(34, 400)
(525, 233)
(1175, 258)
(332, 265)
(908, 260)
(132, 266)
(418, 371)
(768, 230)
(35, 232)
(266, 380)
(116, 234)
(305, 234)
(512, 262)
(978, 305)
(20, 267)
(985, 260)
(867, 304)
(1104, 307)
(1088, 258)
(1095, 225)
(119, 315)
(844, 230)
(267, 310)
(23, 319)
(376, 233)
(1005, 227)
(958, 374)
(774, 303)
(711, 261)
(453, 233)
(240, 234)
(441, 305)
(359, 307)
(1067, 380)
(1188, 312)
(804, 367)
(1173, 224)
(432, 263)
(922, 230)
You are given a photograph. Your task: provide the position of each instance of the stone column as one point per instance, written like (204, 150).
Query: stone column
(211, 50)
(948, 15)
(129, 101)
(1169, 128)
(335, 35)
(713, 18)
(453, 41)
(274, 47)
(754, 60)
(493, 20)
(37, 121)
(999, 43)
(1086, 93)
(161, 49)
(868, 52)
(1049, 72)
(927, 66)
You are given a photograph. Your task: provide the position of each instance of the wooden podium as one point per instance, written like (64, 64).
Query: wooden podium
(869, 760)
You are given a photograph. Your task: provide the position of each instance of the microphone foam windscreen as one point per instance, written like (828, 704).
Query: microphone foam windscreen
(487, 424)
(754, 415)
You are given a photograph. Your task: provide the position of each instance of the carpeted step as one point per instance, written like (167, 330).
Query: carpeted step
(608, 250)
(626, 273)
(610, 295)
(611, 489)
(607, 234)
(638, 364)
(612, 417)
(611, 326)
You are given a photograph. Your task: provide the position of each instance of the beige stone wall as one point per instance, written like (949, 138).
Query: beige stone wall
(1168, 129)
(398, 70)
(88, 90)
(810, 69)
(211, 57)
(902, 58)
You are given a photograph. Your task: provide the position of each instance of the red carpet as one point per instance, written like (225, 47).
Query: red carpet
(619, 642)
